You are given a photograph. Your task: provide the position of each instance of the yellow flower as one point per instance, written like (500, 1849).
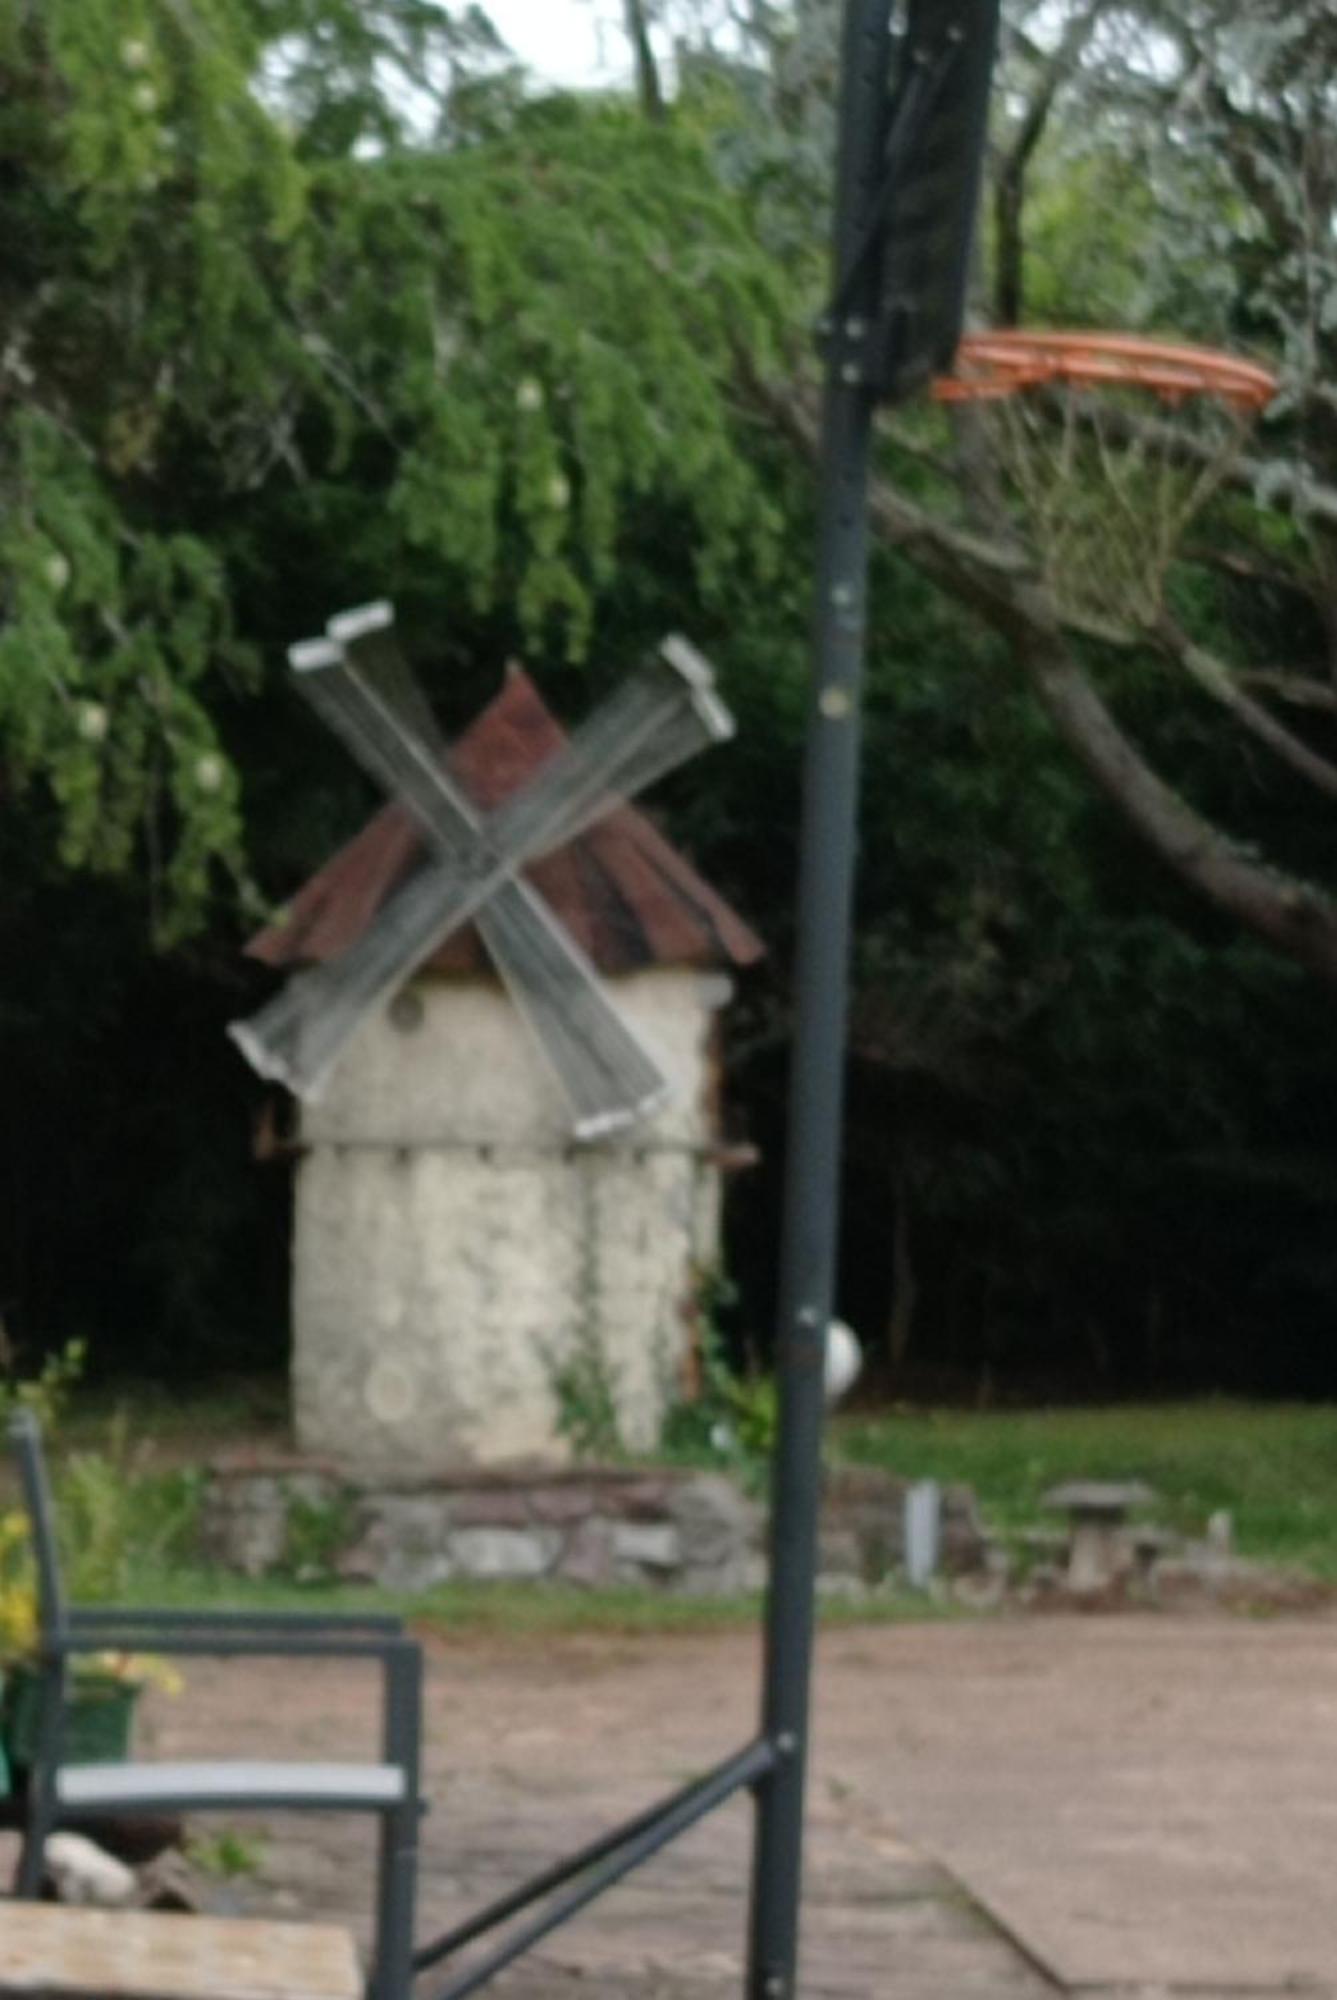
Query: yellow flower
(18, 1622)
(13, 1531)
(139, 1670)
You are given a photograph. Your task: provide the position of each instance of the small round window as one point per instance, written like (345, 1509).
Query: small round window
(406, 1011)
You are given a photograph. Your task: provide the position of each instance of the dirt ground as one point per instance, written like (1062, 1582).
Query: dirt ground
(1102, 1805)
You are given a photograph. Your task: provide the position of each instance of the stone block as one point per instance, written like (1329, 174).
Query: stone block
(494, 1554)
(588, 1557)
(639, 1499)
(716, 1523)
(401, 1542)
(559, 1506)
(490, 1507)
(730, 1579)
(647, 1546)
(416, 1521)
(393, 1568)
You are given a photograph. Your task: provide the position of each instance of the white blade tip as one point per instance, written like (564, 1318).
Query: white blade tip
(346, 626)
(309, 656)
(696, 670)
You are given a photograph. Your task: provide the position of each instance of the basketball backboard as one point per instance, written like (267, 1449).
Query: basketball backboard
(936, 127)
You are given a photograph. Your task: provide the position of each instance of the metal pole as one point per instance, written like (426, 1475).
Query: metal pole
(826, 879)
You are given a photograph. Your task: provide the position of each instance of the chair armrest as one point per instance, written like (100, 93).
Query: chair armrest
(93, 1617)
(221, 1642)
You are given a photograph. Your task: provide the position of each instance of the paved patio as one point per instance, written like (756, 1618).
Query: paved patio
(1098, 1805)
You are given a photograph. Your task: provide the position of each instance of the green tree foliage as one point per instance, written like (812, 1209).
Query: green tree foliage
(207, 203)
(569, 292)
(142, 190)
(313, 301)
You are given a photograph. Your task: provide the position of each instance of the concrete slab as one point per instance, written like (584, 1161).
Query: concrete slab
(1143, 1802)
(535, 1747)
(1140, 1804)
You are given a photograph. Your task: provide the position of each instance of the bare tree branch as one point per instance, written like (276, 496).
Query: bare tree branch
(1298, 689)
(1295, 917)
(1217, 680)
(965, 559)
(648, 84)
(1011, 164)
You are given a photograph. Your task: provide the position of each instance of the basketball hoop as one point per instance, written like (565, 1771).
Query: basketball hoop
(1109, 445)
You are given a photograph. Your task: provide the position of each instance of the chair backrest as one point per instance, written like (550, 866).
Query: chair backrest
(25, 1437)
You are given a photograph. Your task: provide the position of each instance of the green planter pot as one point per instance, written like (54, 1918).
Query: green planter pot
(99, 1718)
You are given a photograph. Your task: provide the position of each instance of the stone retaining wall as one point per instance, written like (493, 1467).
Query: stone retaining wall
(692, 1532)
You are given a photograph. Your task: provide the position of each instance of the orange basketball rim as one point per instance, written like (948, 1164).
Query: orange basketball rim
(998, 364)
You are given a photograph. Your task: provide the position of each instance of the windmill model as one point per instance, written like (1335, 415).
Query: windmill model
(914, 98)
(359, 683)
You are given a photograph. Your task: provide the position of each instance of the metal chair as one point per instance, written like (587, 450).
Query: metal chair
(59, 1791)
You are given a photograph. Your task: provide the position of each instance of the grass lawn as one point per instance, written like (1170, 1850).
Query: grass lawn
(1273, 1465)
(523, 1610)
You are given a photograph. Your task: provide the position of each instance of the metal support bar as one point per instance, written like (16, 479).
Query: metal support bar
(666, 1823)
(214, 1642)
(298, 1623)
(540, 1885)
(830, 799)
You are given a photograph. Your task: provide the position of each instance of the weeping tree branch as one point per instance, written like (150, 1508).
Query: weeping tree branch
(1296, 918)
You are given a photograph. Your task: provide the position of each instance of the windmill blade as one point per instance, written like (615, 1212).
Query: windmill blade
(611, 1080)
(361, 686)
(663, 715)
(367, 636)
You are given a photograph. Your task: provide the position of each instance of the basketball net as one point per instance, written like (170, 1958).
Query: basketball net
(1109, 447)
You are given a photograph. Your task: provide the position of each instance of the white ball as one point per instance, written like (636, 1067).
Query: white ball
(844, 1360)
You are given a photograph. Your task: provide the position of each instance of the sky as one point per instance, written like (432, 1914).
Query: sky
(564, 41)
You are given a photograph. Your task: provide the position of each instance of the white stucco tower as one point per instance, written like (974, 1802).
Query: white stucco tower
(458, 1264)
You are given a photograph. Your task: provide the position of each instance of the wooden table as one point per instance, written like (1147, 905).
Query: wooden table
(49, 1952)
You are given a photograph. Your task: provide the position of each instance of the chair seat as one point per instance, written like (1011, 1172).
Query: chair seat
(113, 1788)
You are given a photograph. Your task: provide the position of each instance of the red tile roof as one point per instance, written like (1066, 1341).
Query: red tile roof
(626, 895)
